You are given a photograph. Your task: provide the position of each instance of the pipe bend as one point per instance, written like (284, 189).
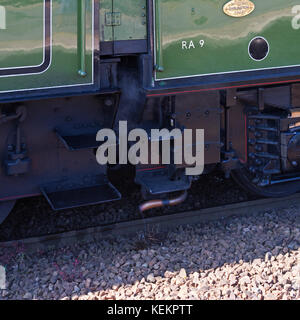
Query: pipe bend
(151, 204)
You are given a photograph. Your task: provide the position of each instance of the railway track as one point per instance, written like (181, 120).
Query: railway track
(161, 223)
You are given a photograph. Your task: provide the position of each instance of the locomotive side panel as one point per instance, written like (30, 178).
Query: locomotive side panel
(45, 44)
(207, 41)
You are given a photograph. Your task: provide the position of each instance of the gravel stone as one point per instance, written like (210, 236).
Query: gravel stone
(27, 296)
(88, 283)
(151, 278)
(182, 273)
(250, 257)
(245, 280)
(136, 257)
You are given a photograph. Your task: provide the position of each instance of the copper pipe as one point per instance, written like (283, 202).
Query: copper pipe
(160, 203)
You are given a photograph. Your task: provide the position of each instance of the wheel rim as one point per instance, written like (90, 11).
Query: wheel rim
(243, 178)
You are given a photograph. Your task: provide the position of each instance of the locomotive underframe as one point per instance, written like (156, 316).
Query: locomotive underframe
(49, 144)
(250, 122)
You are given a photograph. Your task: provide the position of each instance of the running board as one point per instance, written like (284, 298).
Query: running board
(78, 142)
(65, 198)
(157, 181)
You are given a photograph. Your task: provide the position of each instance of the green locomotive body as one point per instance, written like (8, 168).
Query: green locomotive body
(69, 68)
(196, 38)
(40, 45)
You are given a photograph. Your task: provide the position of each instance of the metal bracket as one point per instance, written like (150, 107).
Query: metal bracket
(113, 18)
(17, 161)
(261, 99)
(231, 162)
(19, 115)
(231, 97)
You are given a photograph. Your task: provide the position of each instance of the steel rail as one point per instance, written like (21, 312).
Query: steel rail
(165, 223)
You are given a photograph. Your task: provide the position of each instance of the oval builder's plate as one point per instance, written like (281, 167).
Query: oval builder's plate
(238, 8)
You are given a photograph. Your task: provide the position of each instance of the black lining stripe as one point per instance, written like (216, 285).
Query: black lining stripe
(47, 49)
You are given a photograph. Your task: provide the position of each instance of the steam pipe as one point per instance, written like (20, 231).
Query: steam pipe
(151, 204)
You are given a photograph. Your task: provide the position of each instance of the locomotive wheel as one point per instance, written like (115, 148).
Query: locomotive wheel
(5, 209)
(244, 179)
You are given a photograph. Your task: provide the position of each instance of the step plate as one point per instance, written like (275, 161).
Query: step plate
(157, 182)
(78, 142)
(66, 199)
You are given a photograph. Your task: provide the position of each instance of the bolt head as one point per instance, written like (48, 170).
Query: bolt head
(294, 163)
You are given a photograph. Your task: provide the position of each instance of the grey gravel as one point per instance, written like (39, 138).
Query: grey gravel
(253, 257)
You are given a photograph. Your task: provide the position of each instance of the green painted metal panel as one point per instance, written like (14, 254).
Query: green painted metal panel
(133, 19)
(15, 39)
(23, 44)
(130, 19)
(106, 31)
(195, 37)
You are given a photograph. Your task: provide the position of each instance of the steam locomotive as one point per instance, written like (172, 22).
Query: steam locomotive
(69, 68)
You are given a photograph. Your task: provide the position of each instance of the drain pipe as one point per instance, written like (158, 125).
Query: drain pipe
(151, 204)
